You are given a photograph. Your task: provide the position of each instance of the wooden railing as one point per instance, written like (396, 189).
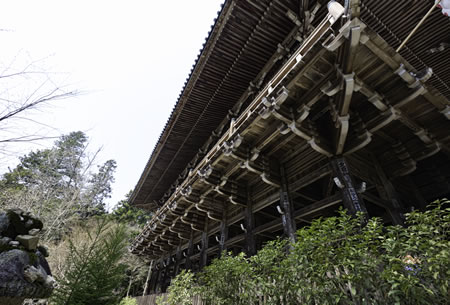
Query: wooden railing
(151, 299)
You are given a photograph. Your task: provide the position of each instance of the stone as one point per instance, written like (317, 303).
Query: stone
(4, 241)
(43, 250)
(14, 225)
(4, 222)
(28, 241)
(34, 232)
(13, 282)
(14, 243)
(31, 274)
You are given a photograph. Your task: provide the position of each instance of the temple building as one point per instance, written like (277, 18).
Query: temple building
(293, 109)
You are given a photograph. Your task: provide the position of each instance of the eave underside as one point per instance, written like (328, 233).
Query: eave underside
(351, 97)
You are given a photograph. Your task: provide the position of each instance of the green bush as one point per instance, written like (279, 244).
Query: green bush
(336, 260)
(128, 301)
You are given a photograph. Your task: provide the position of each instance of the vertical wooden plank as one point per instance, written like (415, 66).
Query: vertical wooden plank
(286, 206)
(350, 197)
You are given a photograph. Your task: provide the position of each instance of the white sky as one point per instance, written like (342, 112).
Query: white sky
(132, 57)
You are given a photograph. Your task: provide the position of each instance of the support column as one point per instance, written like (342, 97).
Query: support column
(344, 180)
(176, 268)
(161, 270)
(147, 281)
(153, 279)
(204, 242)
(190, 251)
(223, 230)
(286, 207)
(249, 225)
(389, 194)
(166, 276)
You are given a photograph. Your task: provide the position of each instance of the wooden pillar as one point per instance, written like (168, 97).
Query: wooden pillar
(350, 197)
(250, 244)
(160, 277)
(389, 194)
(147, 281)
(286, 207)
(204, 242)
(153, 280)
(223, 229)
(176, 268)
(190, 251)
(166, 276)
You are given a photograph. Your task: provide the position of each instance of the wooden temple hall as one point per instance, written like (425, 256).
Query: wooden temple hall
(293, 109)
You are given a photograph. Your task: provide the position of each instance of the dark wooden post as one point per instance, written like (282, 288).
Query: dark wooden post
(249, 225)
(166, 276)
(350, 197)
(286, 207)
(176, 268)
(190, 251)
(154, 279)
(204, 242)
(223, 229)
(161, 270)
(389, 194)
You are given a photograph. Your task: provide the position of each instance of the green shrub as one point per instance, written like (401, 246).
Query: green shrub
(128, 301)
(336, 260)
(181, 290)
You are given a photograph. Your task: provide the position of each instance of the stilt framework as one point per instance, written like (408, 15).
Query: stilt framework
(292, 110)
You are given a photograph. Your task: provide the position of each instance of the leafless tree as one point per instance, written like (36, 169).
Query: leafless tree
(27, 89)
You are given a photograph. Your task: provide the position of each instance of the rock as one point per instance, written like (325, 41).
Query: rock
(4, 241)
(28, 223)
(14, 243)
(43, 250)
(33, 223)
(14, 224)
(4, 222)
(34, 232)
(31, 274)
(50, 282)
(28, 241)
(13, 281)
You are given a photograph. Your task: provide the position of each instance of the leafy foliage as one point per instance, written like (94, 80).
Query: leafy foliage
(182, 289)
(92, 267)
(124, 212)
(128, 301)
(336, 260)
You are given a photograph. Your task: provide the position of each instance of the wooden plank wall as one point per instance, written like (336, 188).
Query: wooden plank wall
(151, 299)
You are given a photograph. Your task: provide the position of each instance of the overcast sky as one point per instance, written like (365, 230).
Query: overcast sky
(130, 58)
